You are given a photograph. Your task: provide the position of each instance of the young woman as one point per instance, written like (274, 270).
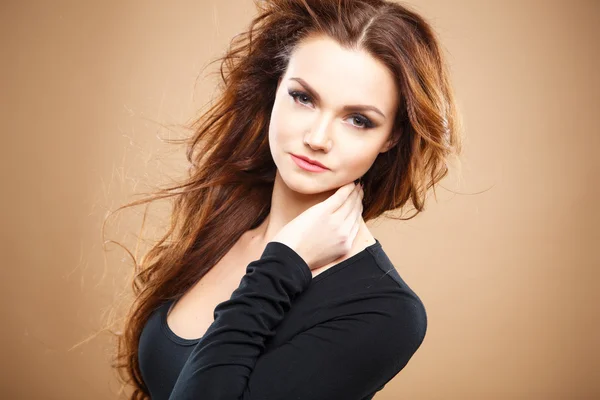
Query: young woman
(269, 284)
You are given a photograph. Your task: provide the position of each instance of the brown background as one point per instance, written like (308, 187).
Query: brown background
(507, 265)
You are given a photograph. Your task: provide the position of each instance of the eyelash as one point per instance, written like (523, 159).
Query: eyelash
(366, 121)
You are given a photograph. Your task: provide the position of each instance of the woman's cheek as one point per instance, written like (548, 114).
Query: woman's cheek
(358, 160)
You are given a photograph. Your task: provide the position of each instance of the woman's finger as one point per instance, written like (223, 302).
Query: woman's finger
(355, 215)
(334, 202)
(354, 230)
(345, 211)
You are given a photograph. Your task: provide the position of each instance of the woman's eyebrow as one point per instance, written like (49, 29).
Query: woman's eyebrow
(354, 107)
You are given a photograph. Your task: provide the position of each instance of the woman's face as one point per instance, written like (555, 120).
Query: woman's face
(335, 106)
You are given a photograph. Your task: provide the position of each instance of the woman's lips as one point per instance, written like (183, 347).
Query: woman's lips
(306, 165)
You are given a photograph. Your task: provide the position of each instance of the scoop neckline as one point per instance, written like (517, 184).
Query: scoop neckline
(335, 268)
(167, 329)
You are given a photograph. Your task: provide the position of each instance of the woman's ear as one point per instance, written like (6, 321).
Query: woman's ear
(391, 142)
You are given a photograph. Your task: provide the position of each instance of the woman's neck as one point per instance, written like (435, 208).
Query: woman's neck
(287, 204)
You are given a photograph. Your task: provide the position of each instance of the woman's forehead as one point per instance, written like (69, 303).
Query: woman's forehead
(333, 71)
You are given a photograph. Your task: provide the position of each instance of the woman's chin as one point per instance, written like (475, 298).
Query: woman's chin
(307, 187)
(299, 182)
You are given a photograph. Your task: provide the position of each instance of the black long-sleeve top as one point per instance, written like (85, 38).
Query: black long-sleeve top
(286, 335)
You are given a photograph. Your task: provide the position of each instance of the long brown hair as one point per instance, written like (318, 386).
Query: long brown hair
(231, 171)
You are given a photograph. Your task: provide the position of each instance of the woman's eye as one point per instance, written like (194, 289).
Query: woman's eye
(300, 95)
(360, 121)
(363, 122)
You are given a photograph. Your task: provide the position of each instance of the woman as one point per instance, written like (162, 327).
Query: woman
(269, 284)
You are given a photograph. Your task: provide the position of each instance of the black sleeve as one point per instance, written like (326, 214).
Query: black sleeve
(347, 357)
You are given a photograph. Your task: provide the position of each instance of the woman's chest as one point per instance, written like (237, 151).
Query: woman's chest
(193, 313)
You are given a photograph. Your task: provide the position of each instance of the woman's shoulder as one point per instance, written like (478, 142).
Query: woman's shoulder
(385, 281)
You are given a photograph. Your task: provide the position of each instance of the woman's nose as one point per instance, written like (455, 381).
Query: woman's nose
(319, 137)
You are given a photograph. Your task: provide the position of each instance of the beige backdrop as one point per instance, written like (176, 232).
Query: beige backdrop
(507, 265)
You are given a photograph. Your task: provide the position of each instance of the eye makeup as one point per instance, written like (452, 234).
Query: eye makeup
(365, 122)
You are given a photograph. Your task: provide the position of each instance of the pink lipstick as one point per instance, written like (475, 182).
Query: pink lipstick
(307, 165)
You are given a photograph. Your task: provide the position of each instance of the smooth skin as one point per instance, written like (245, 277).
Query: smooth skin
(335, 105)
(326, 231)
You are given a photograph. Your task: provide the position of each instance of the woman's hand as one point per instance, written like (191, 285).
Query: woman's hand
(326, 231)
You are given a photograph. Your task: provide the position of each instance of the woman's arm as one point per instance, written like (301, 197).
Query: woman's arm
(221, 362)
(348, 357)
